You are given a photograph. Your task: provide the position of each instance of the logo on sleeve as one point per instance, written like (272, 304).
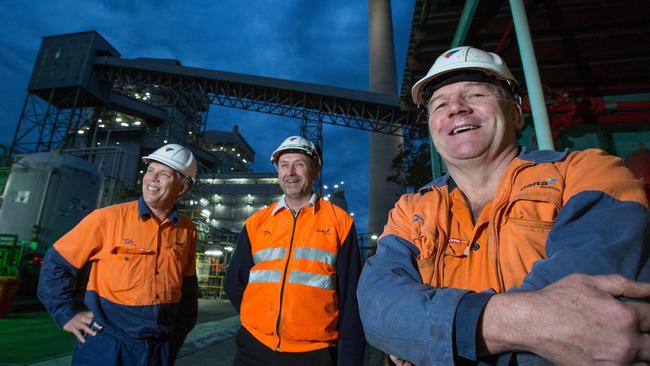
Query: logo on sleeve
(418, 218)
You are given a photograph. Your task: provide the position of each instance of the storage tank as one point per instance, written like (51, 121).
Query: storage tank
(50, 192)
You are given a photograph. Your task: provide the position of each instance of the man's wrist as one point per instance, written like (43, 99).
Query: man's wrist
(507, 323)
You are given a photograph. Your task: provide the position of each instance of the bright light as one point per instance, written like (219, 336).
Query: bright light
(124, 124)
(374, 237)
(342, 183)
(99, 120)
(117, 143)
(219, 204)
(248, 195)
(164, 141)
(336, 186)
(352, 214)
(326, 198)
(81, 132)
(99, 143)
(238, 155)
(229, 249)
(233, 149)
(137, 123)
(244, 160)
(142, 171)
(101, 125)
(325, 186)
(203, 202)
(118, 119)
(148, 94)
(214, 253)
(190, 132)
(205, 212)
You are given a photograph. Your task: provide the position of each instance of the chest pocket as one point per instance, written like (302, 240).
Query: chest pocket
(528, 219)
(533, 211)
(127, 267)
(174, 264)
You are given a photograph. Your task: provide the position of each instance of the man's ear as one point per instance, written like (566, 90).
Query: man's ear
(186, 185)
(518, 115)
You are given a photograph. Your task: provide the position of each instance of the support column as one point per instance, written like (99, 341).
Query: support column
(383, 148)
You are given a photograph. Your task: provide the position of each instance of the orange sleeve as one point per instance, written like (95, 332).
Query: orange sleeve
(595, 170)
(81, 243)
(190, 268)
(399, 218)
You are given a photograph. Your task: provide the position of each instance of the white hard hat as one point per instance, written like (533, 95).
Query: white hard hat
(296, 144)
(177, 157)
(464, 58)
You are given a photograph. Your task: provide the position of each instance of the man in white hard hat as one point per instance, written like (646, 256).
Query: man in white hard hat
(513, 256)
(141, 297)
(293, 276)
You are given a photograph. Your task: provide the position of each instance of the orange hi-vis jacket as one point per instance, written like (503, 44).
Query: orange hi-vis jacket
(142, 283)
(302, 277)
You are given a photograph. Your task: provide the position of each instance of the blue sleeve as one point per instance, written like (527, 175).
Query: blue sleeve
(352, 343)
(55, 287)
(466, 323)
(239, 270)
(401, 315)
(594, 234)
(187, 314)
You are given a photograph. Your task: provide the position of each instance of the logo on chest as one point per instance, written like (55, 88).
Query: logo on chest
(324, 230)
(546, 184)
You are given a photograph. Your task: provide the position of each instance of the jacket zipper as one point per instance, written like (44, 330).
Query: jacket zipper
(284, 277)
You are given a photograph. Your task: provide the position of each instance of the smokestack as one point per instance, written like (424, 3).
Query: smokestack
(383, 148)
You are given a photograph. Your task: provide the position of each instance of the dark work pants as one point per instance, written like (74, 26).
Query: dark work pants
(250, 352)
(109, 349)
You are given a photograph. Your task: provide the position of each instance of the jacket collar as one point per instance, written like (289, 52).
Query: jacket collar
(282, 204)
(534, 156)
(144, 212)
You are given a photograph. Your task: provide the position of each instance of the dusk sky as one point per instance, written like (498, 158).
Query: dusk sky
(322, 42)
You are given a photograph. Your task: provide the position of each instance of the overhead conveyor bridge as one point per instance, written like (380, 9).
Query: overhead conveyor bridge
(319, 103)
(80, 80)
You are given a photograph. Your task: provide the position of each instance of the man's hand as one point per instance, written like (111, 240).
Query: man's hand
(82, 324)
(399, 362)
(577, 320)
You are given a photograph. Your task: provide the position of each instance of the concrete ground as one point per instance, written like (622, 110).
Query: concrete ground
(212, 341)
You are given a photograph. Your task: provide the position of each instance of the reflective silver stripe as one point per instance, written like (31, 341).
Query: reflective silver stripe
(268, 255)
(264, 275)
(315, 254)
(312, 279)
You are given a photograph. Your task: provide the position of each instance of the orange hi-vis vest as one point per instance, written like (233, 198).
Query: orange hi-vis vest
(290, 303)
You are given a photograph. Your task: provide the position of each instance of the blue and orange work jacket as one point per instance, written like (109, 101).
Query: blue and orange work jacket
(142, 282)
(554, 213)
(294, 279)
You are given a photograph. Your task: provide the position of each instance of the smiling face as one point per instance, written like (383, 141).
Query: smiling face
(471, 120)
(296, 173)
(161, 186)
